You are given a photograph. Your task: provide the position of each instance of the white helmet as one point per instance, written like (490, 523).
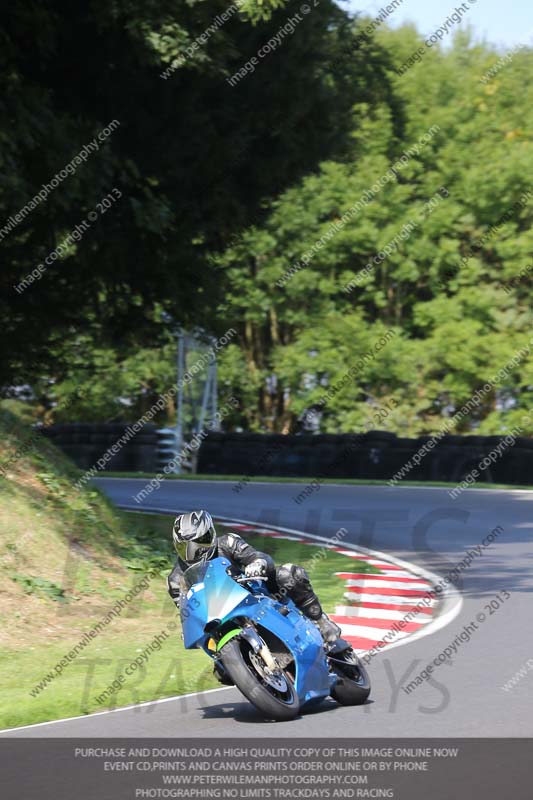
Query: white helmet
(194, 536)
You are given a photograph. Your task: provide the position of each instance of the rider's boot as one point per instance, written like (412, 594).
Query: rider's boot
(312, 609)
(329, 630)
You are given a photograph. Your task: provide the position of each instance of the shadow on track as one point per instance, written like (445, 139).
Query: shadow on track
(247, 714)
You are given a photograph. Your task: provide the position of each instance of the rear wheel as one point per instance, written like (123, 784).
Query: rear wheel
(272, 693)
(353, 683)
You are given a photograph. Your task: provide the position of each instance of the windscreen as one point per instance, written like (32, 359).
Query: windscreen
(195, 574)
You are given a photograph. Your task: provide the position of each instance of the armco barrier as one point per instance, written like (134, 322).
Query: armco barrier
(376, 454)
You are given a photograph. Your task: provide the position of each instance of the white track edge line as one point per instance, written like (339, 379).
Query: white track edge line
(117, 710)
(342, 485)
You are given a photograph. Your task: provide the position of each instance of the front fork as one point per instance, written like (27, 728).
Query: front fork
(258, 645)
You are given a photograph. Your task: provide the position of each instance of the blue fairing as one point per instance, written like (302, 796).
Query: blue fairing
(212, 594)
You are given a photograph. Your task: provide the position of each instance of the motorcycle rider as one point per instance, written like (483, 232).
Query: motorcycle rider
(195, 538)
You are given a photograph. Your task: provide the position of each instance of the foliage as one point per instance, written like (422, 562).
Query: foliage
(40, 586)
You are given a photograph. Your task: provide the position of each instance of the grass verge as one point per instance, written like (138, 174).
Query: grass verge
(338, 481)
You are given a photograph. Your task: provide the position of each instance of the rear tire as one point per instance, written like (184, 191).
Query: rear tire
(353, 683)
(278, 704)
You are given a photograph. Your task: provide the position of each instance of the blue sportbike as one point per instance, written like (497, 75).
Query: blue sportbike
(265, 646)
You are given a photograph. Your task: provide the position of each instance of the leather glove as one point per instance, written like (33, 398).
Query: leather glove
(256, 569)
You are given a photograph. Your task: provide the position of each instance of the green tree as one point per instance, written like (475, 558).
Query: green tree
(194, 158)
(442, 288)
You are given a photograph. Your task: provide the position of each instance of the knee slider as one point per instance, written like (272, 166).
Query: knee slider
(300, 575)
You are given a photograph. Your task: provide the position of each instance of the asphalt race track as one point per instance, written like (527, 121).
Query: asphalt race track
(464, 696)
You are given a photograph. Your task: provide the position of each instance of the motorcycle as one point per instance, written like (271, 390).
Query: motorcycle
(264, 645)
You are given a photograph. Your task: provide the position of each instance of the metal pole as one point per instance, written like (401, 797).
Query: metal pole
(179, 409)
(214, 407)
(205, 399)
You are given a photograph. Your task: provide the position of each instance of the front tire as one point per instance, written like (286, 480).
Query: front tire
(274, 697)
(353, 683)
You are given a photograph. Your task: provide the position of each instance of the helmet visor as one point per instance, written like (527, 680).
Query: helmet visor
(202, 548)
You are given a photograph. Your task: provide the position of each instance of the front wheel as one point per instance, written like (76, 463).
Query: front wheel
(272, 693)
(353, 683)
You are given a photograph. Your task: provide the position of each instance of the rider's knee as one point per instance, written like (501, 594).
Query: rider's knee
(291, 575)
(311, 607)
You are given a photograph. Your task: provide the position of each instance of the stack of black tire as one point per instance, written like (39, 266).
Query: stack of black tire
(86, 442)
(375, 454)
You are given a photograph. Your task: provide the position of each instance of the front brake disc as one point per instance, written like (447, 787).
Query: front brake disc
(277, 680)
